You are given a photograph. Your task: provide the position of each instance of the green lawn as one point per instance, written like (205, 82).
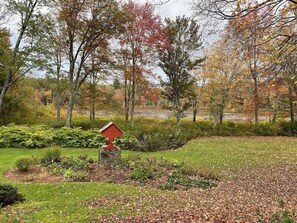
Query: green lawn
(62, 202)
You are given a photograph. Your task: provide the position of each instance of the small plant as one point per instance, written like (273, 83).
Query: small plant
(9, 195)
(177, 177)
(51, 156)
(23, 164)
(281, 216)
(76, 176)
(74, 164)
(56, 169)
(168, 186)
(141, 173)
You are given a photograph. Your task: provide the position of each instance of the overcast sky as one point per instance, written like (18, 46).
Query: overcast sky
(176, 8)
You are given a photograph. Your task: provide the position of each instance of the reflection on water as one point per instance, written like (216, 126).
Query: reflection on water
(166, 114)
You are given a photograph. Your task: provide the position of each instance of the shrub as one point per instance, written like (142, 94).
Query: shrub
(23, 164)
(144, 169)
(75, 176)
(9, 195)
(51, 155)
(77, 138)
(24, 136)
(141, 173)
(41, 136)
(74, 164)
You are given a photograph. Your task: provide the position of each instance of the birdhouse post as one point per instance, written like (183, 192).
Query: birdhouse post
(110, 153)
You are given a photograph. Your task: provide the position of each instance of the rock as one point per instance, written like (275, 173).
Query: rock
(109, 156)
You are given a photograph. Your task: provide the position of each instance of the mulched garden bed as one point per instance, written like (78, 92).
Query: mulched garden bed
(149, 172)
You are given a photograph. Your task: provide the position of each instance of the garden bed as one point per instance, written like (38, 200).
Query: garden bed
(149, 172)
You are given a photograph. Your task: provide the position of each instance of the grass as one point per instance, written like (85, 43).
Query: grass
(232, 153)
(62, 202)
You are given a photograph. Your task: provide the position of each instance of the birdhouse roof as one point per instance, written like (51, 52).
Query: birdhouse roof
(108, 126)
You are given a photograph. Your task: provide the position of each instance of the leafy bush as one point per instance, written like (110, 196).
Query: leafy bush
(141, 173)
(24, 136)
(177, 177)
(51, 155)
(77, 138)
(144, 169)
(23, 164)
(146, 135)
(9, 195)
(75, 176)
(42, 136)
(74, 164)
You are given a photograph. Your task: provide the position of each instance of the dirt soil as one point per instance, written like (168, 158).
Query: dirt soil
(35, 174)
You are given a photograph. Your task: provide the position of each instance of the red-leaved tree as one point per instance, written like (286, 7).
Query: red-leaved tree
(139, 43)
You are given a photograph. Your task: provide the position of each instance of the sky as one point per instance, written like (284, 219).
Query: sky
(175, 8)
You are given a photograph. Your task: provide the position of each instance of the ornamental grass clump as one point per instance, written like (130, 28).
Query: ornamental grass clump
(23, 164)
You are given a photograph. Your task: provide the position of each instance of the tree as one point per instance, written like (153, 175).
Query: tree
(179, 60)
(222, 68)
(139, 43)
(54, 56)
(31, 31)
(252, 53)
(98, 69)
(87, 26)
(279, 15)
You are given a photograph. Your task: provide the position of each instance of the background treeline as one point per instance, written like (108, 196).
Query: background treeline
(100, 55)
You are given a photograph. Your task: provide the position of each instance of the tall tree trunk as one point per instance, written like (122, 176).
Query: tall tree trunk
(221, 108)
(58, 105)
(4, 90)
(70, 110)
(195, 109)
(2, 96)
(127, 100)
(133, 90)
(256, 101)
(132, 102)
(178, 110)
(92, 110)
(59, 115)
(291, 102)
(275, 108)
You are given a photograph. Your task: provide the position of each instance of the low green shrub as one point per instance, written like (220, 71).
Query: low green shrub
(41, 136)
(25, 137)
(23, 163)
(74, 164)
(289, 129)
(78, 138)
(147, 134)
(141, 173)
(144, 169)
(9, 195)
(75, 176)
(177, 177)
(51, 155)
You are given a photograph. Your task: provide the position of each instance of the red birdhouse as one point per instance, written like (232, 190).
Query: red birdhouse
(110, 131)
